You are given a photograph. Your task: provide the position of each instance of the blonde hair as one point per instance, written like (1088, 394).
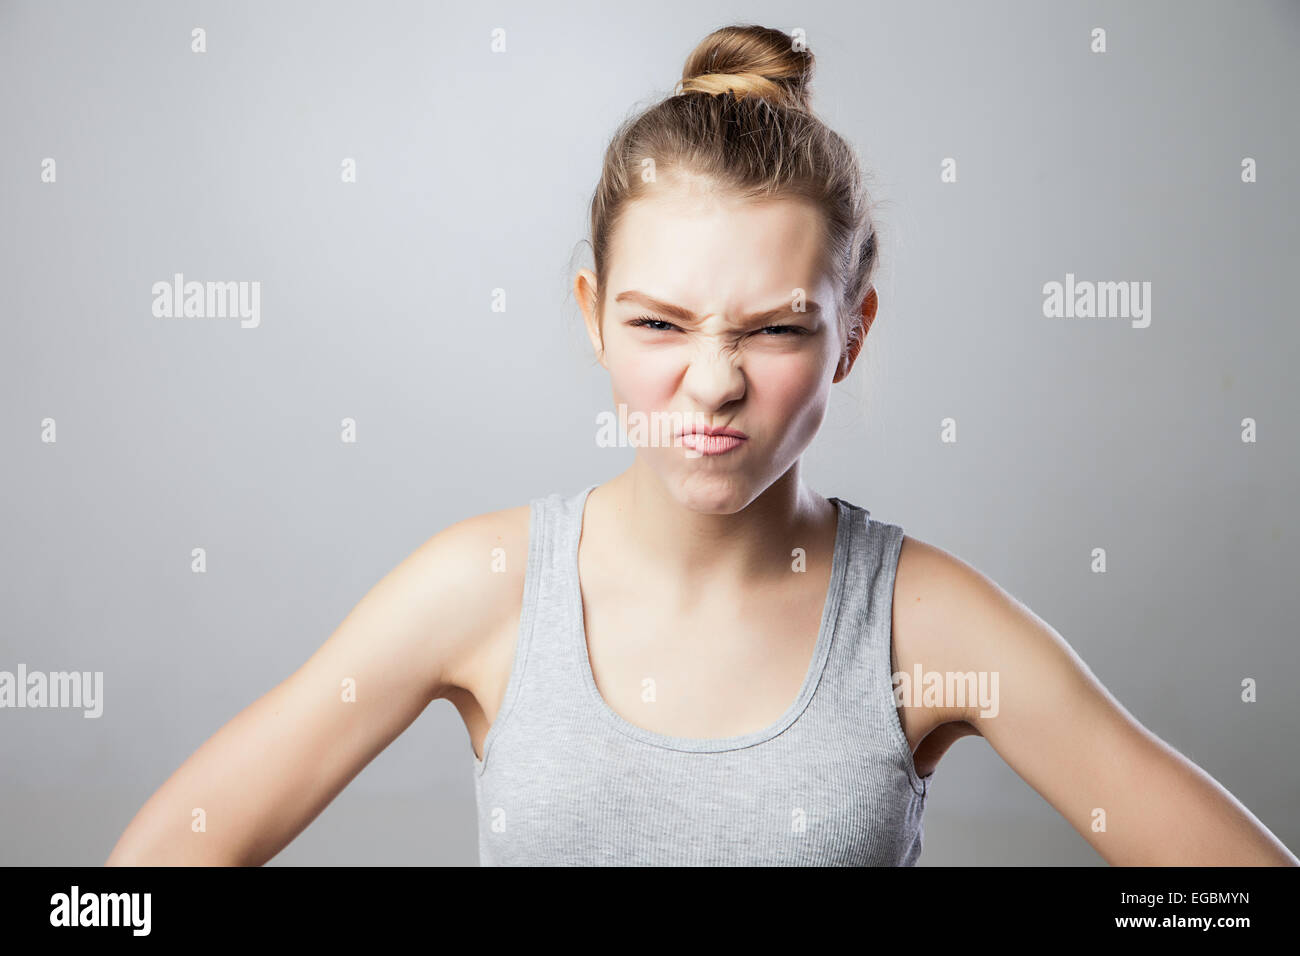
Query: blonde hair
(762, 141)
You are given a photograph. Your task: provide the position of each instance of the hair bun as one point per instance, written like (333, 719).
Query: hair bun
(750, 60)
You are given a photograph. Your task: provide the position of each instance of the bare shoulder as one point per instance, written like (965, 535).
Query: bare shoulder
(962, 621)
(953, 619)
(478, 564)
(923, 639)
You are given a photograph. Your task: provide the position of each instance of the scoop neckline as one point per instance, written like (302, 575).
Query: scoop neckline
(812, 677)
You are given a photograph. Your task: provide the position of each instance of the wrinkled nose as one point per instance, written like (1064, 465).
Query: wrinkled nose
(714, 378)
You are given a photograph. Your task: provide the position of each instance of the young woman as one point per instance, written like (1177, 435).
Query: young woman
(694, 662)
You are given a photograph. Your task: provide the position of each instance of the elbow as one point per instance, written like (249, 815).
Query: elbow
(139, 851)
(125, 854)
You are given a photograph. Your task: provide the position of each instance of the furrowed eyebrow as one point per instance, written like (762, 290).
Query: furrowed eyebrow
(811, 308)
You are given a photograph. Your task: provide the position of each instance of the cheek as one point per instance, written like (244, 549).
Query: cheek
(645, 378)
(786, 386)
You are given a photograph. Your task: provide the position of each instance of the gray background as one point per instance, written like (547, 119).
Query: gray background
(474, 172)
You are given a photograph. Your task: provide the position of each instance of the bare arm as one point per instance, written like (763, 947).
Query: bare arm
(1067, 737)
(268, 772)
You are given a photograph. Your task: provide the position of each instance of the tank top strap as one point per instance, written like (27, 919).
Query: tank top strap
(544, 666)
(860, 671)
(556, 604)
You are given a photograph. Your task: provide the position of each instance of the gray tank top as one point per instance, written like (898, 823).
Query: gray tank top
(564, 780)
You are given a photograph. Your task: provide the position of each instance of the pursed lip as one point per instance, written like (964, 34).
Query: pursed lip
(710, 430)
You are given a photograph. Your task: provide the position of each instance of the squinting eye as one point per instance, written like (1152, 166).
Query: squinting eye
(649, 321)
(769, 331)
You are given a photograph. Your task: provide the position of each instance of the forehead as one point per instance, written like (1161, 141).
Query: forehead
(706, 248)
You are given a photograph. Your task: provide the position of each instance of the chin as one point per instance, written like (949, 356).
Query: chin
(714, 494)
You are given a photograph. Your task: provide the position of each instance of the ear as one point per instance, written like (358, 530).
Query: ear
(857, 335)
(587, 294)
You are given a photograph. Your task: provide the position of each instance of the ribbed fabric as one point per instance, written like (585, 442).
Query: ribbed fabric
(566, 781)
